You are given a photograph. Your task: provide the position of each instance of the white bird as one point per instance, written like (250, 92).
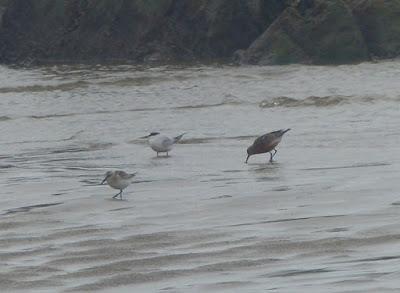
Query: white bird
(118, 180)
(161, 143)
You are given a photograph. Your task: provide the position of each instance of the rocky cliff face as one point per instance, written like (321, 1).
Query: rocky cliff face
(379, 23)
(138, 30)
(251, 31)
(312, 31)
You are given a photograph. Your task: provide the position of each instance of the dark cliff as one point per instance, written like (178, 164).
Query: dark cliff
(249, 31)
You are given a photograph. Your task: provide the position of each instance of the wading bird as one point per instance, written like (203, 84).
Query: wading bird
(118, 180)
(161, 143)
(266, 144)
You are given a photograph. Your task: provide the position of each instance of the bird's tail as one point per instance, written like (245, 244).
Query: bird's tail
(178, 138)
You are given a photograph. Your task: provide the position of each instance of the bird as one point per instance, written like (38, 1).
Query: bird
(266, 144)
(118, 180)
(161, 143)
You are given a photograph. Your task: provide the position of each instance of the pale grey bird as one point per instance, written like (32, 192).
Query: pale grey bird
(161, 143)
(266, 144)
(118, 180)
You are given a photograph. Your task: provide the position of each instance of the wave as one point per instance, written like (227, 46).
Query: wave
(315, 101)
(29, 208)
(45, 88)
(142, 80)
(228, 100)
(366, 165)
(150, 109)
(200, 106)
(294, 273)
(4, 118)
(133, 81)
(79, 148)
(7, 166)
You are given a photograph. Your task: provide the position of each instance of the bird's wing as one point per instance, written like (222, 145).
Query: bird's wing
(276, 133)
(263, 140)
(125, 175)
(257, 142)
(264, 143)
(280, 132)
(167, 142)
(178, 138)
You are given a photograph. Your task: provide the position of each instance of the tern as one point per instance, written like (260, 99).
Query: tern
(161, 143)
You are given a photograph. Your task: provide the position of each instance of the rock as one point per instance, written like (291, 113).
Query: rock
(380, 25)
(321, 32)
(138, 30)
(3, 6)
(159, 31)
(207, 29)
(276, 45)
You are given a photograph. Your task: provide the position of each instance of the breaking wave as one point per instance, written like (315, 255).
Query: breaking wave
(309, 101)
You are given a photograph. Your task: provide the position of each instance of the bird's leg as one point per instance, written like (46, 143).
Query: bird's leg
(248, 156)
(119, 193)
(157, 154)
(274, 153)
(167, 154)
(270, 158)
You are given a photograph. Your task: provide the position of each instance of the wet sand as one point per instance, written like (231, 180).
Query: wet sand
(323, 218)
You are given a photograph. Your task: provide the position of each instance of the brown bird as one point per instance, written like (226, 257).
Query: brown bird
(118, 180)
(266, 144)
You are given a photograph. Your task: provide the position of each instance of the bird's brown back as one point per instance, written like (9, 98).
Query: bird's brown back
(124, 175)
(266, 143)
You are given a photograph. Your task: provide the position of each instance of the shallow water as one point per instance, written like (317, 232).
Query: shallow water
(323, 218)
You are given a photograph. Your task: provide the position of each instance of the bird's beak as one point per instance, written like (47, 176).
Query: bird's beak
(102, 182)
(147, 136)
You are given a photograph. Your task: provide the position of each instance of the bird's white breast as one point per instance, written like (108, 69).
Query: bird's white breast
(161, 143)
(117, 182)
